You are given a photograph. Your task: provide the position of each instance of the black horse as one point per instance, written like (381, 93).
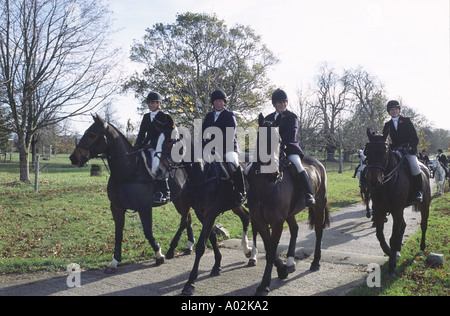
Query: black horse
(209, 191)
(131, 184)
(274, 198)
(389, 181)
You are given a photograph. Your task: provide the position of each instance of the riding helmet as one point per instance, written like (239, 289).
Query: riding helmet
(393, 104)
(218, 95)
(153, 96)
(279, 96)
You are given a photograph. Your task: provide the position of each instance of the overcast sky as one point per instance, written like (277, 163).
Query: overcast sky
(405, 43)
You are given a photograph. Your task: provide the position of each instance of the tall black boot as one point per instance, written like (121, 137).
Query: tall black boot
(417, 186)
(162, 192)
(304, 182)
(239, 185)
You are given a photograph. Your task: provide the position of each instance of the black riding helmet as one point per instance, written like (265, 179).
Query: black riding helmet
(279, 96)
(393, 104)
(153, 96)
(218, 95)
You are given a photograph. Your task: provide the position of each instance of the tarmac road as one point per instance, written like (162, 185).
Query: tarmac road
(349, 245)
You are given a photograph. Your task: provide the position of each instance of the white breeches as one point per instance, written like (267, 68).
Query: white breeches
(413, 164)
(232, 157)
(295, 159)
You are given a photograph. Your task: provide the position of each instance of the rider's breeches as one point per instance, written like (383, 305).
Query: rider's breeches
(413, 164)
(297, 162)
(233, 158)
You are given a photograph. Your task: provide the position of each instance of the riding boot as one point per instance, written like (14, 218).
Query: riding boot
(417, 186)
(162, 192)
(239, 185)
(304, 182)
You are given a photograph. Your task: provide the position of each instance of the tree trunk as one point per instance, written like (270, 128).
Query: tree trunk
(24, 159)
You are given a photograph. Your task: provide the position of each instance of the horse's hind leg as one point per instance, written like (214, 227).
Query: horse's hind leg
(245, 219)
(119, 223)
(146, 219)
(217, 255)
(184, 210)
(254, 253)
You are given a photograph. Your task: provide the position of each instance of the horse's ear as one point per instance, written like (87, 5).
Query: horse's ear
(261, 120)
(369, 134)
(98, 119)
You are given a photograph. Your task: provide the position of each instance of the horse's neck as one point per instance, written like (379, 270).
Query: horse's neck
(121, 163)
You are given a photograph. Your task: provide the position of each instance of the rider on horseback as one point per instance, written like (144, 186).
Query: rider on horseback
(222, 118)
(443, 161)
(402, 131)
(288, 128)
(149, 135)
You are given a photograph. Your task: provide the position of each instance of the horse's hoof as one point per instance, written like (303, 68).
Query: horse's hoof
(170, 255)
(248, 254)
(111, 270)
(291, 269)
(314, 267)
(215, 272)
(262, 292)
(188, 290)
(187, 251)
(283, 272)
(160, 261)
(252, 263)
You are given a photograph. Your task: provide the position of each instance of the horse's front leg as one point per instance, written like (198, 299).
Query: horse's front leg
(398, 229)
(293, 229)
(146, 219)
(119, 223)
(379, 220)
(189, 287)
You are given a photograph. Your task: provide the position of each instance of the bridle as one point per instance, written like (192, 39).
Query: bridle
(385, 177)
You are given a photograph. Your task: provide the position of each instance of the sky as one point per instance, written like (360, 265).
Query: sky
(404, 43)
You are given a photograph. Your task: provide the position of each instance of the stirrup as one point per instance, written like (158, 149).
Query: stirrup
(160, 199)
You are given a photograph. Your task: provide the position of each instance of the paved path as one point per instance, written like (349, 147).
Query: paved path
(349, 245)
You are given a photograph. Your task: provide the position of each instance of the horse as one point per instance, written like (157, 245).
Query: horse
(274, 198)
(210, 193)
(131, 185)
(390, 184)
(359, 172)
(439, 175)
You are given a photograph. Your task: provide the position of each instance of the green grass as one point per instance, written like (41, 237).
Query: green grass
(69, 220)
(415, 277)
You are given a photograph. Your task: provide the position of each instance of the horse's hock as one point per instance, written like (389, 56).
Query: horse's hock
(96, 170)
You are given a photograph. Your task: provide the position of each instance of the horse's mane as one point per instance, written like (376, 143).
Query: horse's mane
(121, 135)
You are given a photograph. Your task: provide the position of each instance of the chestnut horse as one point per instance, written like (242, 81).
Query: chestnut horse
(390, 184)
(274, 198)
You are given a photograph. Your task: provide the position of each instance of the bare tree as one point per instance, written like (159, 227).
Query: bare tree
(55, 63)
(332, 101)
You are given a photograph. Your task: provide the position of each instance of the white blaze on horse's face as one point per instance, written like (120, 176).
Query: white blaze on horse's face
(157, 155)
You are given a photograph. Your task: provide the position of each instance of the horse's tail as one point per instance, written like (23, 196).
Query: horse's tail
(312, 217)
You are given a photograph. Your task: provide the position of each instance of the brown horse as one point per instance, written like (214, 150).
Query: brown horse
(274, 198)
(131, 187)
(389, 182)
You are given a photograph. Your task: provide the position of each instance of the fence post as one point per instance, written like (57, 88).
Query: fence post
(36, 178)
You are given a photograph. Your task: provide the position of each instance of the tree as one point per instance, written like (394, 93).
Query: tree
(332, 102)
(55, 63)
(196, 55)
